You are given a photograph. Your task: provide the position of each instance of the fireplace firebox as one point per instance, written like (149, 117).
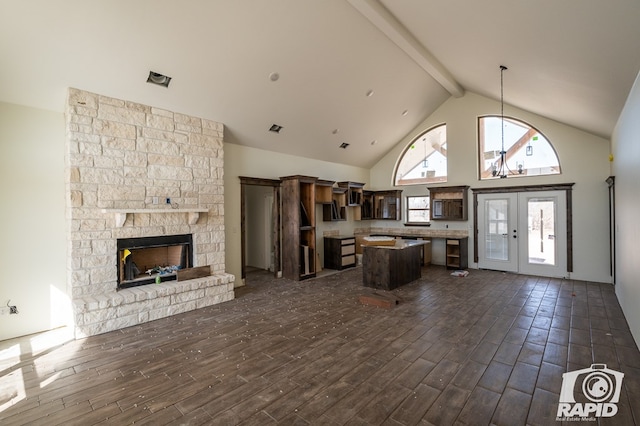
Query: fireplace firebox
(149, 260)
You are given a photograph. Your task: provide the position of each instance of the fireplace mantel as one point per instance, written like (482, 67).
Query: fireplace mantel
(121, 214)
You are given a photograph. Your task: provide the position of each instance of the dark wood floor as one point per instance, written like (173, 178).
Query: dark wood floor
(486, 349)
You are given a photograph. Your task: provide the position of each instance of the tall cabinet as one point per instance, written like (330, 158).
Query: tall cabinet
(299, 227)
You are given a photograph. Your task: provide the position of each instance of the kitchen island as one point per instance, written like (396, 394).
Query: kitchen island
(388, 264)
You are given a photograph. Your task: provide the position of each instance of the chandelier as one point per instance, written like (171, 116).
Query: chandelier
(500, 166)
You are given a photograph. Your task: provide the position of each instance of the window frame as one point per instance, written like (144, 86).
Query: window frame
(442, 149)
(427, 209)
(534, 132)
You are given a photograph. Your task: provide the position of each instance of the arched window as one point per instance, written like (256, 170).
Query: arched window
(527, 152)
(424, 160)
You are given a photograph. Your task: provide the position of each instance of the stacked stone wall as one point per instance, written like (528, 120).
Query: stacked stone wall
(123, 155)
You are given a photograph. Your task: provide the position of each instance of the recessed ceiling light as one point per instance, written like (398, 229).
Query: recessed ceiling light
(405, 112)
(159, 79)
(373, 142)
(274, 76)
(275, 128)
(370, 93)
(344, 145)
(335, 131)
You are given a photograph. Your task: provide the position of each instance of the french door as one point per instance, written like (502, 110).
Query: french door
(523, 232)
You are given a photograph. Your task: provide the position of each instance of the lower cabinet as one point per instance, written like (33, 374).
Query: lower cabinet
(457, 253)
(339, 252)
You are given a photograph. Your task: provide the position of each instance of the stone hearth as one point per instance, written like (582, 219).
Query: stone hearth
(122, 156)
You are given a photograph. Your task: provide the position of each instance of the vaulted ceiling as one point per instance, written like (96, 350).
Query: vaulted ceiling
(361, 72)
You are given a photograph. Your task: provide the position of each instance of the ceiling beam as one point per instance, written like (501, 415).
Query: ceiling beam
(382, 19)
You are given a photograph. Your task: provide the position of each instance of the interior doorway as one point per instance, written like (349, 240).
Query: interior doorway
(260, 225)
(524, 231)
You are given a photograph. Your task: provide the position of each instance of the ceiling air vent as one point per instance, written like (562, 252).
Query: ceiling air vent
(344, 145)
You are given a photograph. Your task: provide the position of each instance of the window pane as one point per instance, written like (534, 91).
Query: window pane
(497, 240)
(527, 152)
(425, 159)
(418, 202)
(542, 243)
(418, 209)
(420, 216)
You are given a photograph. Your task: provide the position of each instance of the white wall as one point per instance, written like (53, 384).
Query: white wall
(583, 159)
(257, 231)
(251, 162)
(626, 169)
(32, 193)
(32, 220)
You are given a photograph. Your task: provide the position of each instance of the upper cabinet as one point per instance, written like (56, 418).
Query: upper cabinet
(387, 205)
(366, 210)
(384, 205)
(337, 208)
(324, 190)
(449, 203)
(354, 192)
(350, 198)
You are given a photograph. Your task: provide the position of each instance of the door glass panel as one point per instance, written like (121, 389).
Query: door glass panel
(497, 228)
(541, 231)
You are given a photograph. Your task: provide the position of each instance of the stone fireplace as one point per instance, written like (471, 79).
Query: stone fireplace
(124, 160)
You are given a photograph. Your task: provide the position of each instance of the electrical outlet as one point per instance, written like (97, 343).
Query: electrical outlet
(155, 200)
(168, 200)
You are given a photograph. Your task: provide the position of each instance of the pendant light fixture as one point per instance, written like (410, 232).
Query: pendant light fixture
(529, 150)
(425, 163)
(500, 168)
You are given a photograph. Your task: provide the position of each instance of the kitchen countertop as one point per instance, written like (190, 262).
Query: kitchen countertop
(415, 232)
(399, 244)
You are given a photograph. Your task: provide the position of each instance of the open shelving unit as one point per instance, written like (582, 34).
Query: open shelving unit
(365, 211)
(354, 192)
(299, 227)
(324, 190)
(457, 253)
(384, 205)
(387, 205)
(337, 209)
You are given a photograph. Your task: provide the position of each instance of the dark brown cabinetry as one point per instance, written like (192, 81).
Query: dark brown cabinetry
(299, 227)
(387, 205)
(354, 192)
(366, 210)
(339, 252)
(449, 203)
(324, 189)
(337, 208)
(457, 253)
(389, 267)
